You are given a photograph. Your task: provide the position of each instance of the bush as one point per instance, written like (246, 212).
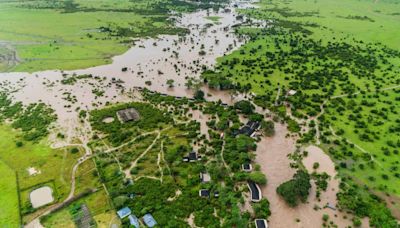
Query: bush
(296, 189)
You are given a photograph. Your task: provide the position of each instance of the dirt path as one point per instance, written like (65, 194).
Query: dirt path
(134, 163)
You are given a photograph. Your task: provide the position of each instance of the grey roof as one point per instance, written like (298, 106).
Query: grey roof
(255, 192)
(124, 212)
(129, 114)
(149, 220)
(261, 223)
(134, 221)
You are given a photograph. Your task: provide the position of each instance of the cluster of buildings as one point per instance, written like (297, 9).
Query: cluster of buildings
(148, 219)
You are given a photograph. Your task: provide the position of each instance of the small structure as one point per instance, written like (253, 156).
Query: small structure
(247, 167)
(124, 212)
(129, 114)
(255, 191)
(83, 218)
(330, 206)
(205, 177)
(134, 221)
(291, 92)
(204, 193)
(261, 223)
(149, 220)
(192, 157)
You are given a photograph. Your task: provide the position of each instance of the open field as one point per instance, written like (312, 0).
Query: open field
(53, 166)
(9, 212)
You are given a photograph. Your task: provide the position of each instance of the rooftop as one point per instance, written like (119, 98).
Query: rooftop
(205, 177)
(261, 223)
(124, 212)
(134, 221)
(149, 220)
(204, 193)
(129, 114)
(247, 167)
(255, 191)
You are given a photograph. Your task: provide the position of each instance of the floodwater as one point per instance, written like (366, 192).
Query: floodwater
(150, 63)
(272, 155)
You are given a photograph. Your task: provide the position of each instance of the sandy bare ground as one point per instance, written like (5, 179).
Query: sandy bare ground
(41, 196)
(272, 156)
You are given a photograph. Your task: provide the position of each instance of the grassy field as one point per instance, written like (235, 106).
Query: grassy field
(77, 34)
(9, 211)
(55, 167)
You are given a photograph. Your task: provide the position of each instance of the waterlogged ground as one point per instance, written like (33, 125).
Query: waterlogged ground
(150, 63)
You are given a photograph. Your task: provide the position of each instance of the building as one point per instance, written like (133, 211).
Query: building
(261, 223)
(249, 129)
(149, 220)
(255, 191)
(129, 114)
(204, 193)
(205, 177)
(247, 167)
(124, 212)
(134, 221)
(192, 157)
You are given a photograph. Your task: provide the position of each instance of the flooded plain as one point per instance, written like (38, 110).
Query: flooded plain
(150, 64)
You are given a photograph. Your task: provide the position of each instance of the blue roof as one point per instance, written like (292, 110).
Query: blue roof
(124, 212)
(134, 221)
(149, 220)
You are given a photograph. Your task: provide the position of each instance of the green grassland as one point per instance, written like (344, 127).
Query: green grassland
(9, 213)
(55, 167)
(98, 202)
(343, 59)
(363, 133)
(74, 34)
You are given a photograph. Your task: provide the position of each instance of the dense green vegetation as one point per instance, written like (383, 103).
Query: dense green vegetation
(74, 34)
(33, 120)
(296, 189)
(146, 172)
(337, 62)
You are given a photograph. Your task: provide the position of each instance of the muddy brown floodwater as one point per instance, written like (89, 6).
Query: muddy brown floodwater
(156, 60)
(272, 155)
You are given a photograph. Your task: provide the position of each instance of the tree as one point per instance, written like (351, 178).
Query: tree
(296, 189)
(245, 107)
(170, 83)
(199, 95)
(261, 209)
(268, 127)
